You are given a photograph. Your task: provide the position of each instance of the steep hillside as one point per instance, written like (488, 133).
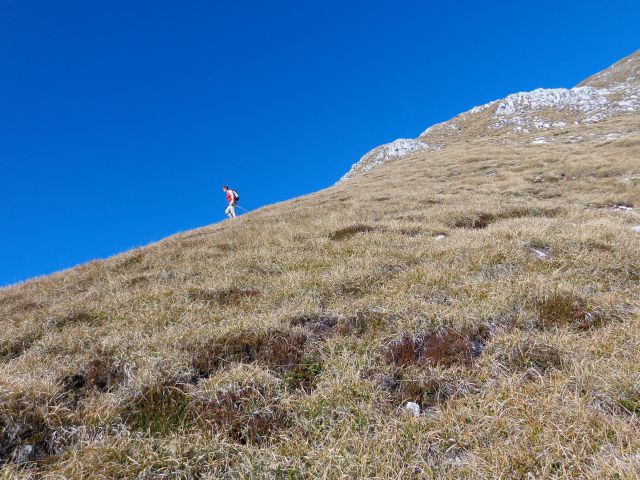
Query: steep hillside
(491, 278)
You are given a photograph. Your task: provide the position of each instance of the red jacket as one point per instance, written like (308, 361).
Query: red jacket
(231, 198)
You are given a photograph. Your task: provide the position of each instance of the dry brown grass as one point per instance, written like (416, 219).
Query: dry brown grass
(290, 352)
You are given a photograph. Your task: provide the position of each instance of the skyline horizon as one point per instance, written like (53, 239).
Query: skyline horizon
(123, 122)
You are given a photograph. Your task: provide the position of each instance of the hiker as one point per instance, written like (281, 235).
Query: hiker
(232, 198)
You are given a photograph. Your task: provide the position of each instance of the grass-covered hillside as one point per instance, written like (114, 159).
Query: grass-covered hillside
(493, 283)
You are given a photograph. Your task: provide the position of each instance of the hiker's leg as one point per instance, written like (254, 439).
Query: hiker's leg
(227, 211)
(232, 208)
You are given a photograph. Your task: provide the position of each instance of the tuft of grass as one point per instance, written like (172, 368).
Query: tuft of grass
(631, 406)
(317, 325)
(160, 409)
(130, 261)
(81, 316)
(361, 323)
(532, 355)
(245, 413)
(27, 431)
(564, 309)
(479, 221)
(103, 373)
(278, 350)
(304, 375)
(348, 232)
(226, 296)
(446, 348)
(11, 348)
(325, 325)
(23, 307)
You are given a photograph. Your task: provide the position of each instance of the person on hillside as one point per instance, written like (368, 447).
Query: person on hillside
(232, 198)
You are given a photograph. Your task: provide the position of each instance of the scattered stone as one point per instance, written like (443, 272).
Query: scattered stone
(24, 454)
(636, 229)
(541, 253)
(389, 151)
(621, 206)
(431, 413)
(477, 346)
(455, 459)
(589, 321)
(440, 237)
(625, 207)
(411, 232)
(413, 408)
(25, 435)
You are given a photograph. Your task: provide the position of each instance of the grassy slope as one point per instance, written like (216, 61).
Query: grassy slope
(282, 343)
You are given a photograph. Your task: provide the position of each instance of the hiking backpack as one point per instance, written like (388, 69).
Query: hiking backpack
(236, 197)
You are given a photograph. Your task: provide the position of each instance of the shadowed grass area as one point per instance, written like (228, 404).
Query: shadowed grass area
(278, 350)
(11, 348)
(444, 348)
(533, 355)
(32, 429)
(244, 413)
(226, 296)
(348, 232)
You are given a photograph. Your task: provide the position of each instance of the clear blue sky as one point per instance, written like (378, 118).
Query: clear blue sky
(120, 120)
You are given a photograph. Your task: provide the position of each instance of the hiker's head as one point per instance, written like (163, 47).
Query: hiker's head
(225, 188)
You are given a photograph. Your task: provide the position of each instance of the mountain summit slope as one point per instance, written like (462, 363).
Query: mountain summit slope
(541, 115)
(465, 310)
(625, 71)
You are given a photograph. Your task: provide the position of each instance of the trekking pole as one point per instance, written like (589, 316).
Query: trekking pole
(243, 209)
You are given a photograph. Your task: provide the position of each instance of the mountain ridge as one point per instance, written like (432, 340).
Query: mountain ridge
(610, 92)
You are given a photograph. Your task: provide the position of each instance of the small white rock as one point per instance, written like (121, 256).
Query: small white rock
(636, 229)
(539, 253)
(440, 237)
(23, 454)
(413, 408)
